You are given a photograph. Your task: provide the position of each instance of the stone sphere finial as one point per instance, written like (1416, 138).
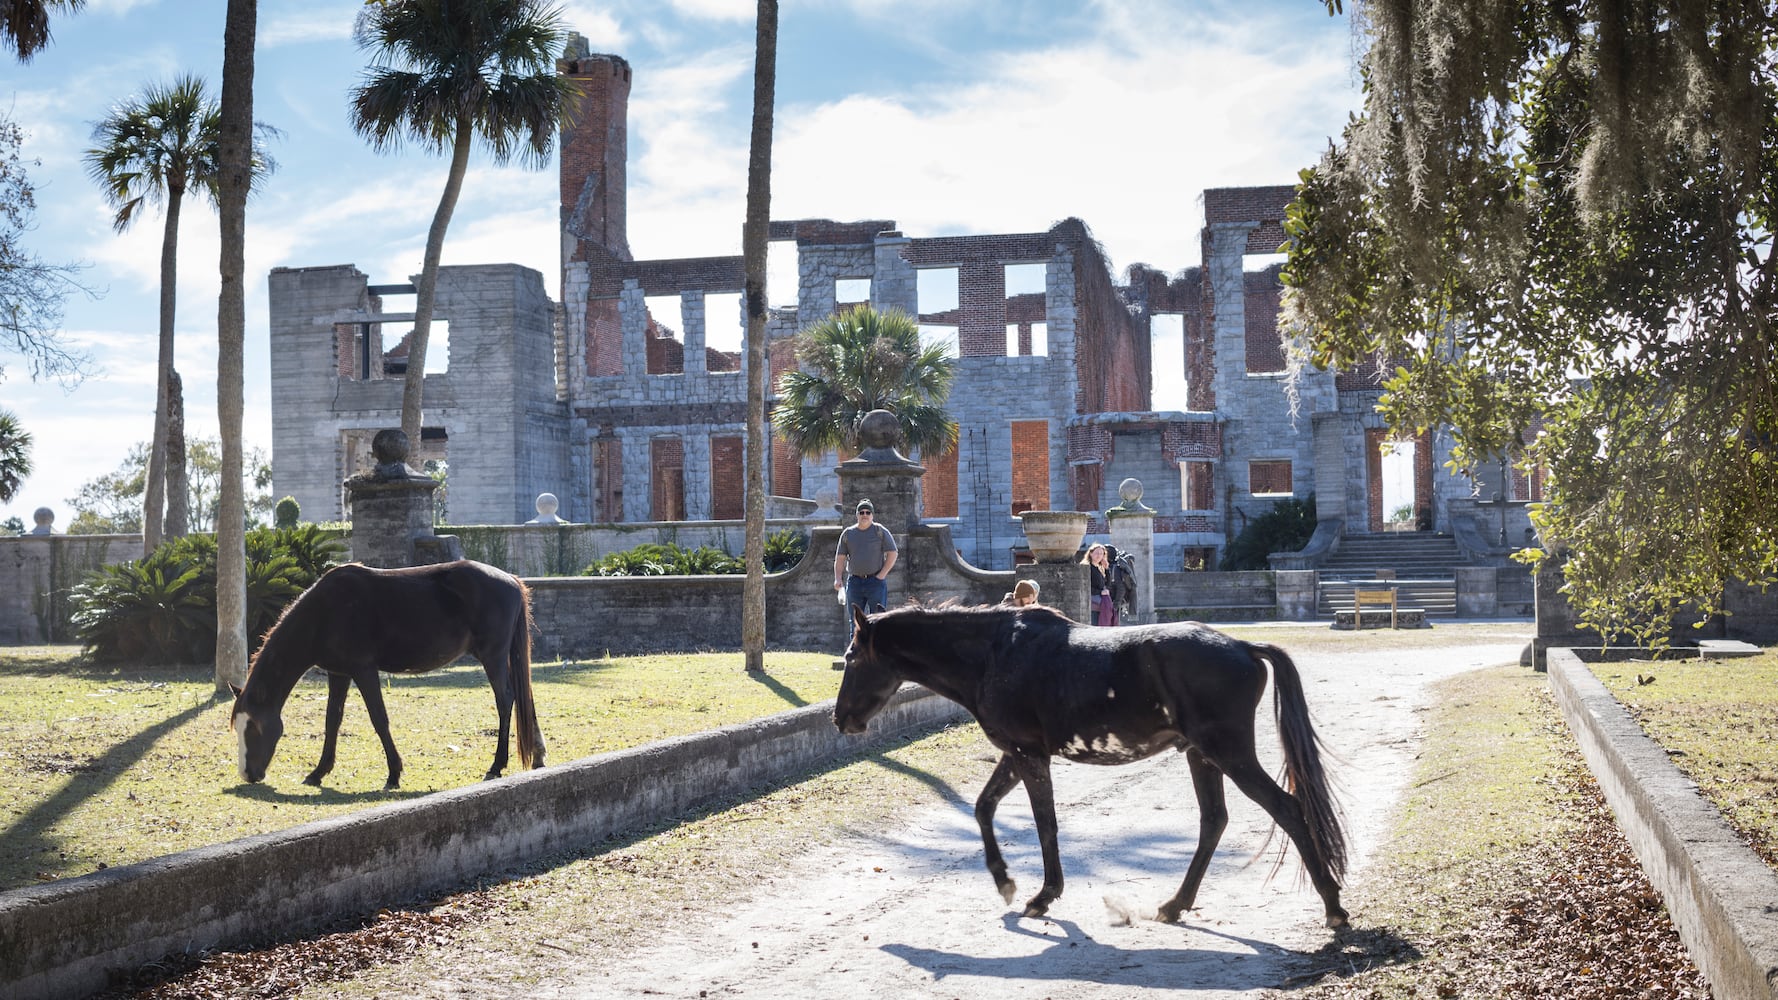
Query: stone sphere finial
(547, 504)
(1130, 490)
(879, 429)
(43, 517)
(390, 446)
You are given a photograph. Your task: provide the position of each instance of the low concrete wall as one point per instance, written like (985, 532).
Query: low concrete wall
(1721, 896)
(69, 938)
(1217, 596)
(36, 573)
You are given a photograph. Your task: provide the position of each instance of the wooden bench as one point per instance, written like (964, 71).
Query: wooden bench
(1378, 598)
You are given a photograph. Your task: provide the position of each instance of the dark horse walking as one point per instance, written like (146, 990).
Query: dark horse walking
(1042, 685)
(356, 620)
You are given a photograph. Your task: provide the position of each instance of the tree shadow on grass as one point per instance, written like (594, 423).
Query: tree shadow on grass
(28, 835)
(778, 688)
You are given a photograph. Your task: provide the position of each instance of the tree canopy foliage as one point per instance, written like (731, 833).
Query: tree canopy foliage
(1553, 224)
(31, 289)
(863, 360)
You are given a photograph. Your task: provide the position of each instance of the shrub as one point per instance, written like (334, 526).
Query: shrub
(162, 608)
(783, 550)
(1284, 528)
(286, 513)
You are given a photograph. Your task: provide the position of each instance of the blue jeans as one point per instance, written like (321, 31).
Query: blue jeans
(866, 592)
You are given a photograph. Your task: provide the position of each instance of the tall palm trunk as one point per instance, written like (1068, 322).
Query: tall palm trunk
(413, 386)
(235, 151)
(178, 478)
(753, 251)
(154, 496)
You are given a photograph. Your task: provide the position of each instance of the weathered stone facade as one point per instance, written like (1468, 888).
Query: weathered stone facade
(602, 401)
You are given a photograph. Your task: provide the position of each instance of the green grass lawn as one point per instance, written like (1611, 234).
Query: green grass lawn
(108, 766)
(1717, 720)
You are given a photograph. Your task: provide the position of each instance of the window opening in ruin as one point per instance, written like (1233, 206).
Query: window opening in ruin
(1197, 485)
(783, 279)
(1166, 337)
(725, 332)
(666, 495)
(1270, 478)
(665, 338)
(438, 350)
(1397, 472)
(1026, 286)
(608, 479)
(1030, 465)
(727, 478)
(1197, 559)
(936, 302)
(938, 484)
(850, 292)
(787, 469)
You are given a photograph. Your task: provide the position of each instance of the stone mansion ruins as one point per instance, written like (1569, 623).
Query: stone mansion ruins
(624, 395)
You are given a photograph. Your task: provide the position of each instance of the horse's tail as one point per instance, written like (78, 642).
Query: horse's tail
(1304, 777)
(519, 663)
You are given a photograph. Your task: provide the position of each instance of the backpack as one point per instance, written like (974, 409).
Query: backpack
(1123, 583)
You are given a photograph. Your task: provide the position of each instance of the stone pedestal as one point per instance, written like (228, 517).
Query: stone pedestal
(1297, 594)
(391, 511)
(891, 482)
(1478, 592)
(1132, 532)
(1061, 585)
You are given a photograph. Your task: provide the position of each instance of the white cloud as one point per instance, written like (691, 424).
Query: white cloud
(603, 32)
(717, 10)
(316, 23)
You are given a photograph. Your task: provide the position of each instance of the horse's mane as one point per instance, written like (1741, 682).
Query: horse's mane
(953, 606)
(278, 636)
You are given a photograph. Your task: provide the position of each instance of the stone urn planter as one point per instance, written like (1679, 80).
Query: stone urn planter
(1054, 535)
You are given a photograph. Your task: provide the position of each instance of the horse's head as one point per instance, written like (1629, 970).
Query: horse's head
(868, 683)
(257, 729)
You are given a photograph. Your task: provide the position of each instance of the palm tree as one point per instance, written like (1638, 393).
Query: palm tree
(24, 24)
(15, 455)
(235, 160)
(158, 147)
(753, 251)
(443, 72)
(860, 361)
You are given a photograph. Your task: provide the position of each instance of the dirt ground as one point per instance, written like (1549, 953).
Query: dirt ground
(910, 911)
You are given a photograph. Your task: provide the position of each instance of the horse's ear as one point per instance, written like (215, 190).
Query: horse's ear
(858, 616)
(236, 690)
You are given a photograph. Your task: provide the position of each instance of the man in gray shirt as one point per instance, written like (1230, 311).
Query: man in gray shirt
(862, 563)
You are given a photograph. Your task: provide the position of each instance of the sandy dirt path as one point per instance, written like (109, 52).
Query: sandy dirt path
(911, 912)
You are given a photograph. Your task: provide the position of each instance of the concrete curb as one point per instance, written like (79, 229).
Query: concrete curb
(1722, 897)
(68, 938)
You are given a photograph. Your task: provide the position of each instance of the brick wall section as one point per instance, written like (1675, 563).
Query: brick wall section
(593, 156)
(1113, 353)
(1265, 352)
(981, 294)
(1373, 471)
(1180, 442)
(938, 485)
(728, 478)
(1247, 204)
(666, 461)
(827, 232)
(1030, 465)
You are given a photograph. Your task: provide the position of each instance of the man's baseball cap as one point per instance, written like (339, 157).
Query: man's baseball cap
(866, 505)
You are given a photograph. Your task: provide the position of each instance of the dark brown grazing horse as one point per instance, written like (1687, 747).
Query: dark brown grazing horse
(1042, 685)
(356, 620)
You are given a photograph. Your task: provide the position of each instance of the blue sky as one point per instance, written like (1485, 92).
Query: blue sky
(951, 118)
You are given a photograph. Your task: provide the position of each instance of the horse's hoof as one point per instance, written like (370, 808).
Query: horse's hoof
(1008, 889)
(1167, 915)
(1338, 919)
(313, 780)
(1035, 909)
(393, 784)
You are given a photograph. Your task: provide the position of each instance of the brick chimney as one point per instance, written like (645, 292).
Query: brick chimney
(594, 147)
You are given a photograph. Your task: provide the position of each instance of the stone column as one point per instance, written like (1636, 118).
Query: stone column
(891, 482)
(391, 510)
(1132, 532)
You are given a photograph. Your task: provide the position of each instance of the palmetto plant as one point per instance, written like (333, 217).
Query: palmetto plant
(859, 361)
(15, 455)
(162, 608)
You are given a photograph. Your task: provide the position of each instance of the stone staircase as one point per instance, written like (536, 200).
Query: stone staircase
(1423, 566)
